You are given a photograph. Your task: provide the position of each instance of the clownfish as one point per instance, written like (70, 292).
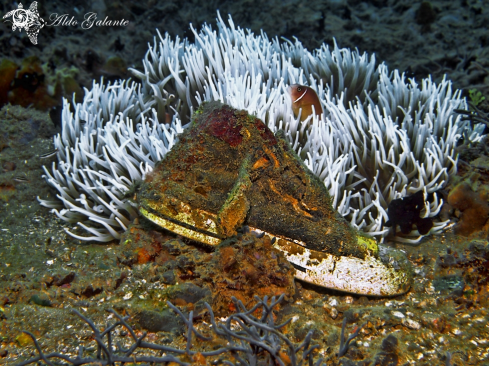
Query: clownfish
(304, 98)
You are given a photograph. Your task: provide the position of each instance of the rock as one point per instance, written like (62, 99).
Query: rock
(184, 263)
(89, 291)
(388, 356)
(449, 285)
(389, 344)
(411, 324)
(40, 300)
(159, 321)
(434, 321)
(168, 277)
(188, 292)
(173, 246)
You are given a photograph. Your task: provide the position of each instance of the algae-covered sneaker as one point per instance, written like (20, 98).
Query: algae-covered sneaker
(229, 170)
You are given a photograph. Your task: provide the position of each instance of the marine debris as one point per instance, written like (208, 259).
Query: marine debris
(228, 170)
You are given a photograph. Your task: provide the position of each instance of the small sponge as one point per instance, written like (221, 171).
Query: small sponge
(474, 207)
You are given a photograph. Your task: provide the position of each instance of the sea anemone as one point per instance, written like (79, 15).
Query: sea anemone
(381, 137)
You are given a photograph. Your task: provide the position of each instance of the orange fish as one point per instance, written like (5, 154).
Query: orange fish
(305, 98)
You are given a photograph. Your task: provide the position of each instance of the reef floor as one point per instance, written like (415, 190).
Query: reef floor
(44, 273)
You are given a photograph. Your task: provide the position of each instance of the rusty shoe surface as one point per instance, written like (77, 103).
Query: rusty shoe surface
(228, 170)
